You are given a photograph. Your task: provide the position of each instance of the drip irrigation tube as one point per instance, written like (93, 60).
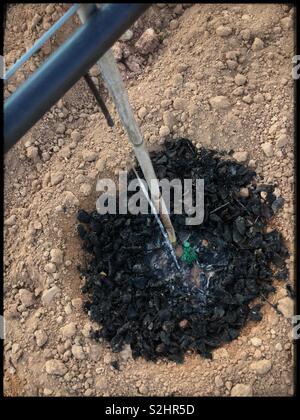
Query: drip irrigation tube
(65, 67)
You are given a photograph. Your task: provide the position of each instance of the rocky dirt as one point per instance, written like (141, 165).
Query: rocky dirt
(217, 74)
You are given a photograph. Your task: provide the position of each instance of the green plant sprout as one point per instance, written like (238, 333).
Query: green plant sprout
(189, 254)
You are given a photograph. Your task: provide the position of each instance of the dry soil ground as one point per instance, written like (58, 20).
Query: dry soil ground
(217, 74)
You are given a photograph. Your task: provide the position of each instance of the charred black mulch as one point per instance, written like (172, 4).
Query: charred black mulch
(163, 317)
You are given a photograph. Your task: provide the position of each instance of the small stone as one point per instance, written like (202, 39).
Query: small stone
(247, 99)
(287, 22)
(168, 119)
(10, 221)
(57, 256)
(240, 79)
(258, 98)
(223, 31)
(32, 153)
(26, 297)
(55, 367)
(56, 178)
(69, 199)
(244, 192)
(126, 353)
(240, 156)
(174, 24)
(85, 189)
(286, 306)
(77, 352)
(282, 141)
(95, 352)
(50, 268)
(89, 156)
(127, 36)
(245, 34)
(148, 42)
(100, 165)
(101, 384)
(261, 367)
(267, 149)
(142, 112)
(219, 102)
(241, 390)
(278, 347)
(49, 295)
(69, 330)
(61, 128)
(40, 337)
(256, 342)
(164, 131)
(257, 44)
(179, 104)
(75, 135)
(219, 382)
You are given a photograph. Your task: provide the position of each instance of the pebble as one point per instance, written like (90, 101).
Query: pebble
(278, 347)
(247, 99)
(267, 149)
(89, 156)
(69, 330)
(282, 141)
(256, 342)
(244, 192)
(85, 189)
(101, 384)
(223, 30)
(257, 44)
(57, 256)
(10, 221)
(258, 98)
(78, 352)
(40, 337)
(56, 178)
(55, 367)
(219, 102)
(240, 79)
(148, 42)
(219, 382)
(142, 112)
(261, 367)
(286, 306)
(168, 119)
(26, 297)
(241, 390)
(32, 153)
(75, 135)
(127, 36)
(126, 353)
(179, 104)
(50, 268)
(240, 156)
(49, 295)
(164, 131)
(174, 24)
(61, 128)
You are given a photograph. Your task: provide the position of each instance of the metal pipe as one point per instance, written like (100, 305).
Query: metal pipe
(47, 35)
(116, 88)
(65, 67)
(98, 98)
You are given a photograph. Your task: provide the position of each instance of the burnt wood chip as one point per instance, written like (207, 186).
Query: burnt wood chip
(135, 304)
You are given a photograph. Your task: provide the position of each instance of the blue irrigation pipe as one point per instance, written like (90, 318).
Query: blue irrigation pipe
(66, 66)
(47, 35)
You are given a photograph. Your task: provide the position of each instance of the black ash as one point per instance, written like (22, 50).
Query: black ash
(139, 298)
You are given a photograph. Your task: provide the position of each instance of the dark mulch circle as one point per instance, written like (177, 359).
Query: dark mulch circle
(139, 298)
